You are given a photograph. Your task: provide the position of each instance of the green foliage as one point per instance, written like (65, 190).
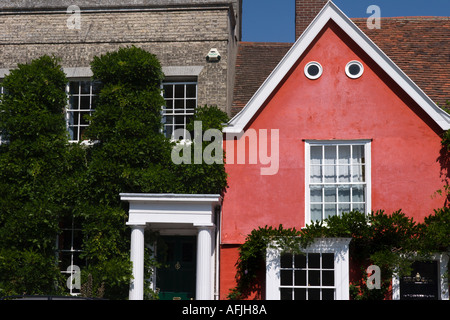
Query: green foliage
(44, 180)
(32, 162)
(130, 154)
(202, 177)
(252, 256)
(446, 136)
(390, 241)
(28, 272)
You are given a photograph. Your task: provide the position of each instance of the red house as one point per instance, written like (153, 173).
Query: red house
(336, 126)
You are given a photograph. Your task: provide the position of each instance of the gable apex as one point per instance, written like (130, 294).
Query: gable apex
(331, 12)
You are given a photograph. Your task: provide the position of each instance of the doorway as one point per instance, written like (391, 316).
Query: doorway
(176, 278)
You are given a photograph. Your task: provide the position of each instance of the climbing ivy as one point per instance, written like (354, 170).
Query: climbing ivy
(390, 241)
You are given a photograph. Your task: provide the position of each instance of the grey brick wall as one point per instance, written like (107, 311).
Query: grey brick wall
(179, 35)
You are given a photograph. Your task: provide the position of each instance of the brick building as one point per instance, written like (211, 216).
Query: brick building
(181, 33)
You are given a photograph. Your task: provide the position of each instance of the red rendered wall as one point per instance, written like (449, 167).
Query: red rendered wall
(405, 144)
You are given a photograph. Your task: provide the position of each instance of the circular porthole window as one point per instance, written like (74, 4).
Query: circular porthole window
(313, 70)
(354, 69)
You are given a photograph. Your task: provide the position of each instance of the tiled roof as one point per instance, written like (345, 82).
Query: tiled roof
(254, 63)
(420, 46)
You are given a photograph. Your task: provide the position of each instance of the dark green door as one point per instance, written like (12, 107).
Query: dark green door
(176, 279)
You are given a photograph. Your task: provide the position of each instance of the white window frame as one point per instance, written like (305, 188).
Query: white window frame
(72, 252)
(338, 246)
(367, 183)
(185, 112)
(89, 111)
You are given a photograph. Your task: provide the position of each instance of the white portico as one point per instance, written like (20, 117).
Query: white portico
(174, 214)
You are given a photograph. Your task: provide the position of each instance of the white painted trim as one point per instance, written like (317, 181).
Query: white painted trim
(331, 12)
(313, 63)
(442, 259)
(368, 170)
(176, 214)
(347, 69)
(338, 246)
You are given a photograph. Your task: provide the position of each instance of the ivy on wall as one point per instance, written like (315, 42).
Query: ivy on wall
(46, 181)
(390, 241)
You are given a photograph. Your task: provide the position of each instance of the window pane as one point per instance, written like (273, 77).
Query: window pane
(85, 87)
(300, 261)
(316, 155)
(300, 294)
(316, 194)
(330, 154)
(316, 212)
(358, 154)
(344, 173)
(179, 91)
(344, 193)
(344, 154)
(74, 102)
(168, 119)
(179, 120)
(96, 87)
(343, 208)
(327, 260)
(314, 260)
(358, 194)
(169, 104)
(314, 277)
(168, 130)
(179, 104)
(330, 194)
(191, 104)
(191, 91)
(85, 102)
(73, 133)
(359, 207)
(330, 174)
(286, 277)
(313, 294)
(316, 174)
(300, 277)
(83, 118)
(286, 294)
(327, 294)
(357, 175)
(286, 260)
(168, 91)
(330, 210)
(74, 87)
(328, 278)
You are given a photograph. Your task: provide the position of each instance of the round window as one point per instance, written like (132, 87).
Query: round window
(313, 70)
(354, 69)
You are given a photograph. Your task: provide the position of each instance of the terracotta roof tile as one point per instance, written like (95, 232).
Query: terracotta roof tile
(254, 63)
(420, 46)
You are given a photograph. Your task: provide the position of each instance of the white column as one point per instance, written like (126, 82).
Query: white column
(137, 259)
(204, 254)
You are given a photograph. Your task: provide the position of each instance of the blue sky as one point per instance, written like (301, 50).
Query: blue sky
(273, 20)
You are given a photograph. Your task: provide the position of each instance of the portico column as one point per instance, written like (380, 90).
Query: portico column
(204, 254)
(137, 259)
